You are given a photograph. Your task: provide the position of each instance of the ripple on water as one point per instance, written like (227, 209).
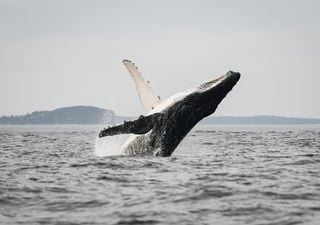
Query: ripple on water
(217, 175)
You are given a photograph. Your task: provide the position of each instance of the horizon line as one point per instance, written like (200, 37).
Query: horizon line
(211, 116)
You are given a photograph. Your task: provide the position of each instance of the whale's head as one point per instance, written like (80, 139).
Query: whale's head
(196, 103)
(190, 107)
(208, 96)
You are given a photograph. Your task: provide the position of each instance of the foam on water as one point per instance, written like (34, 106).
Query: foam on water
(110, 145)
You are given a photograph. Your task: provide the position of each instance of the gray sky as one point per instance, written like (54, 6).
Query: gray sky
(63, 53)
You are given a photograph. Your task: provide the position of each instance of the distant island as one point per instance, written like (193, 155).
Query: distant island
(66, 115)
(95, 115)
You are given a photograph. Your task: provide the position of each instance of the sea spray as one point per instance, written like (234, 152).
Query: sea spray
(110, 145)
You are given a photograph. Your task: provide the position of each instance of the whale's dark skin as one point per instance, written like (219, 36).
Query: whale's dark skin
(160, 133)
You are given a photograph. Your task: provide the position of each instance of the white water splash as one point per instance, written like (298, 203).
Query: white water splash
(110, 145)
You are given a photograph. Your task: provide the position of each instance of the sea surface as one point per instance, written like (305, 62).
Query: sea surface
(217, 175)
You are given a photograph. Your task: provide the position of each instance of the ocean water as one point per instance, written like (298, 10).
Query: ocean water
(217, 175)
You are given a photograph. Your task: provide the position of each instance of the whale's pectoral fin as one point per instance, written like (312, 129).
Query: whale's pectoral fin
(148, 98)
(141, 125)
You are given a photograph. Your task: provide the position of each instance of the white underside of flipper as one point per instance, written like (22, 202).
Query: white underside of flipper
(147, 97)
(117, 144)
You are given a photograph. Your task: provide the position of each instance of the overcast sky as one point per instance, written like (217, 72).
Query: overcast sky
(64, 53)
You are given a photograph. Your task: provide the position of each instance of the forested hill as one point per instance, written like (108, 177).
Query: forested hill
(66, 115)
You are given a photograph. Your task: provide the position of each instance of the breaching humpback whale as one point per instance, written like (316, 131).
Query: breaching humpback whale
(167, 122)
